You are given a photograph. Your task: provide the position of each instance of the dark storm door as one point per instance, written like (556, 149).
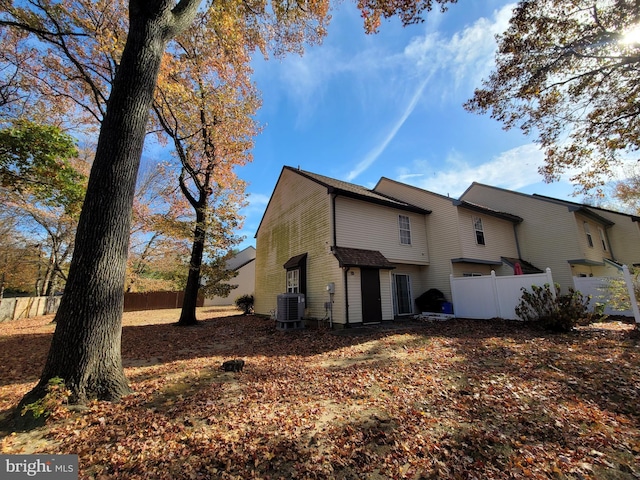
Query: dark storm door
(371, 300)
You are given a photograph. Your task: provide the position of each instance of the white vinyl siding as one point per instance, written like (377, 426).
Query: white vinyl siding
(369, 226)
(548, 235)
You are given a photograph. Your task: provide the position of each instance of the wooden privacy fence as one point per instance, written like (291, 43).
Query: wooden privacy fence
(490, 296)
(155, 300)
(25, 307)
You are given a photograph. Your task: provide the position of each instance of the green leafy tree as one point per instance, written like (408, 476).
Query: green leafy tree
(215, 276)
(567, 71)
(36, 159)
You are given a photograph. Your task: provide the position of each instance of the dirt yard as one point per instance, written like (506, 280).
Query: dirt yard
(446, 400)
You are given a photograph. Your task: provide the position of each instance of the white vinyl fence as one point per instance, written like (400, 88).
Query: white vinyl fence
(25, 307)
(490, 296)
(597, 287)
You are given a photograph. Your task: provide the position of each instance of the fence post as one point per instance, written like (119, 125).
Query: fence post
(552, 287)
(632, 295)
(496, 299)
(453, 289)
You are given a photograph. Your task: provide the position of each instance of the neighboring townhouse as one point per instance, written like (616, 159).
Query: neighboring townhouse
(464, 239)
(621, 238)
(243, 263)
(570, 238)
(379, 249)
(339, 244)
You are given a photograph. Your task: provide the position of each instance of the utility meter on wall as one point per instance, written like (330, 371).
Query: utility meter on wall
(331, 287)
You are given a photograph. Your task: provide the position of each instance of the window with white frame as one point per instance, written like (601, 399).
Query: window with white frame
(405, 229)
(477, 226)
(293, 281)
(602, 239)
(587, 232)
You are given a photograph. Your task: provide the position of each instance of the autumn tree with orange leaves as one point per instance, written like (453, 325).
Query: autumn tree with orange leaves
(205, 104)
(85, 349)
(567, 72)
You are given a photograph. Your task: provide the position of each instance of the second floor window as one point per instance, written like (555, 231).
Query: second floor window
(405, 229)
(588, 234)
(603, 239)
(477, 226)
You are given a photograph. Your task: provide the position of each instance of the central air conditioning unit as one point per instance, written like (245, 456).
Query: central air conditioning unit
(290, 311)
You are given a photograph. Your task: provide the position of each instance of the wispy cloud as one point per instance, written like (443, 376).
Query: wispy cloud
(373, 155)
(513, 169)
(466, 57)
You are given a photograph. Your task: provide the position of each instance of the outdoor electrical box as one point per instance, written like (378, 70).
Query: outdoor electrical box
(331, 287)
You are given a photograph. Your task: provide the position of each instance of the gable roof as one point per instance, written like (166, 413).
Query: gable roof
(346, 189)
(584, 209)
(458, 203)
(351, 190)
(242, 258)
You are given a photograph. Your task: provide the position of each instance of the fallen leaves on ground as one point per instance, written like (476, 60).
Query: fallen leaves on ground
(463, 399)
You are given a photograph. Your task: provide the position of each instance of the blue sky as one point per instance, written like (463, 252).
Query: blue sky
(359, 107)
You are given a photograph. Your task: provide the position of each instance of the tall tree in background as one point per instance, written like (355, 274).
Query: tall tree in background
(85, 350)
(567, 71)
(205, 104)
(158, 248)
(627, 191)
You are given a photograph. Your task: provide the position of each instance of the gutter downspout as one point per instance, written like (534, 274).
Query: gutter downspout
(333, 219)
(346, 297)
(606, 237)
(515, 234)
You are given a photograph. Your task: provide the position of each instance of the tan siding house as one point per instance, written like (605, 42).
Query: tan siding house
(296, 222)
(365, 255)
(336, 233)
(455, 244)
(570, 238)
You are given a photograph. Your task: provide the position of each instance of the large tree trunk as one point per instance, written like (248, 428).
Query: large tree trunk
(188, 313)
(85, 351)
